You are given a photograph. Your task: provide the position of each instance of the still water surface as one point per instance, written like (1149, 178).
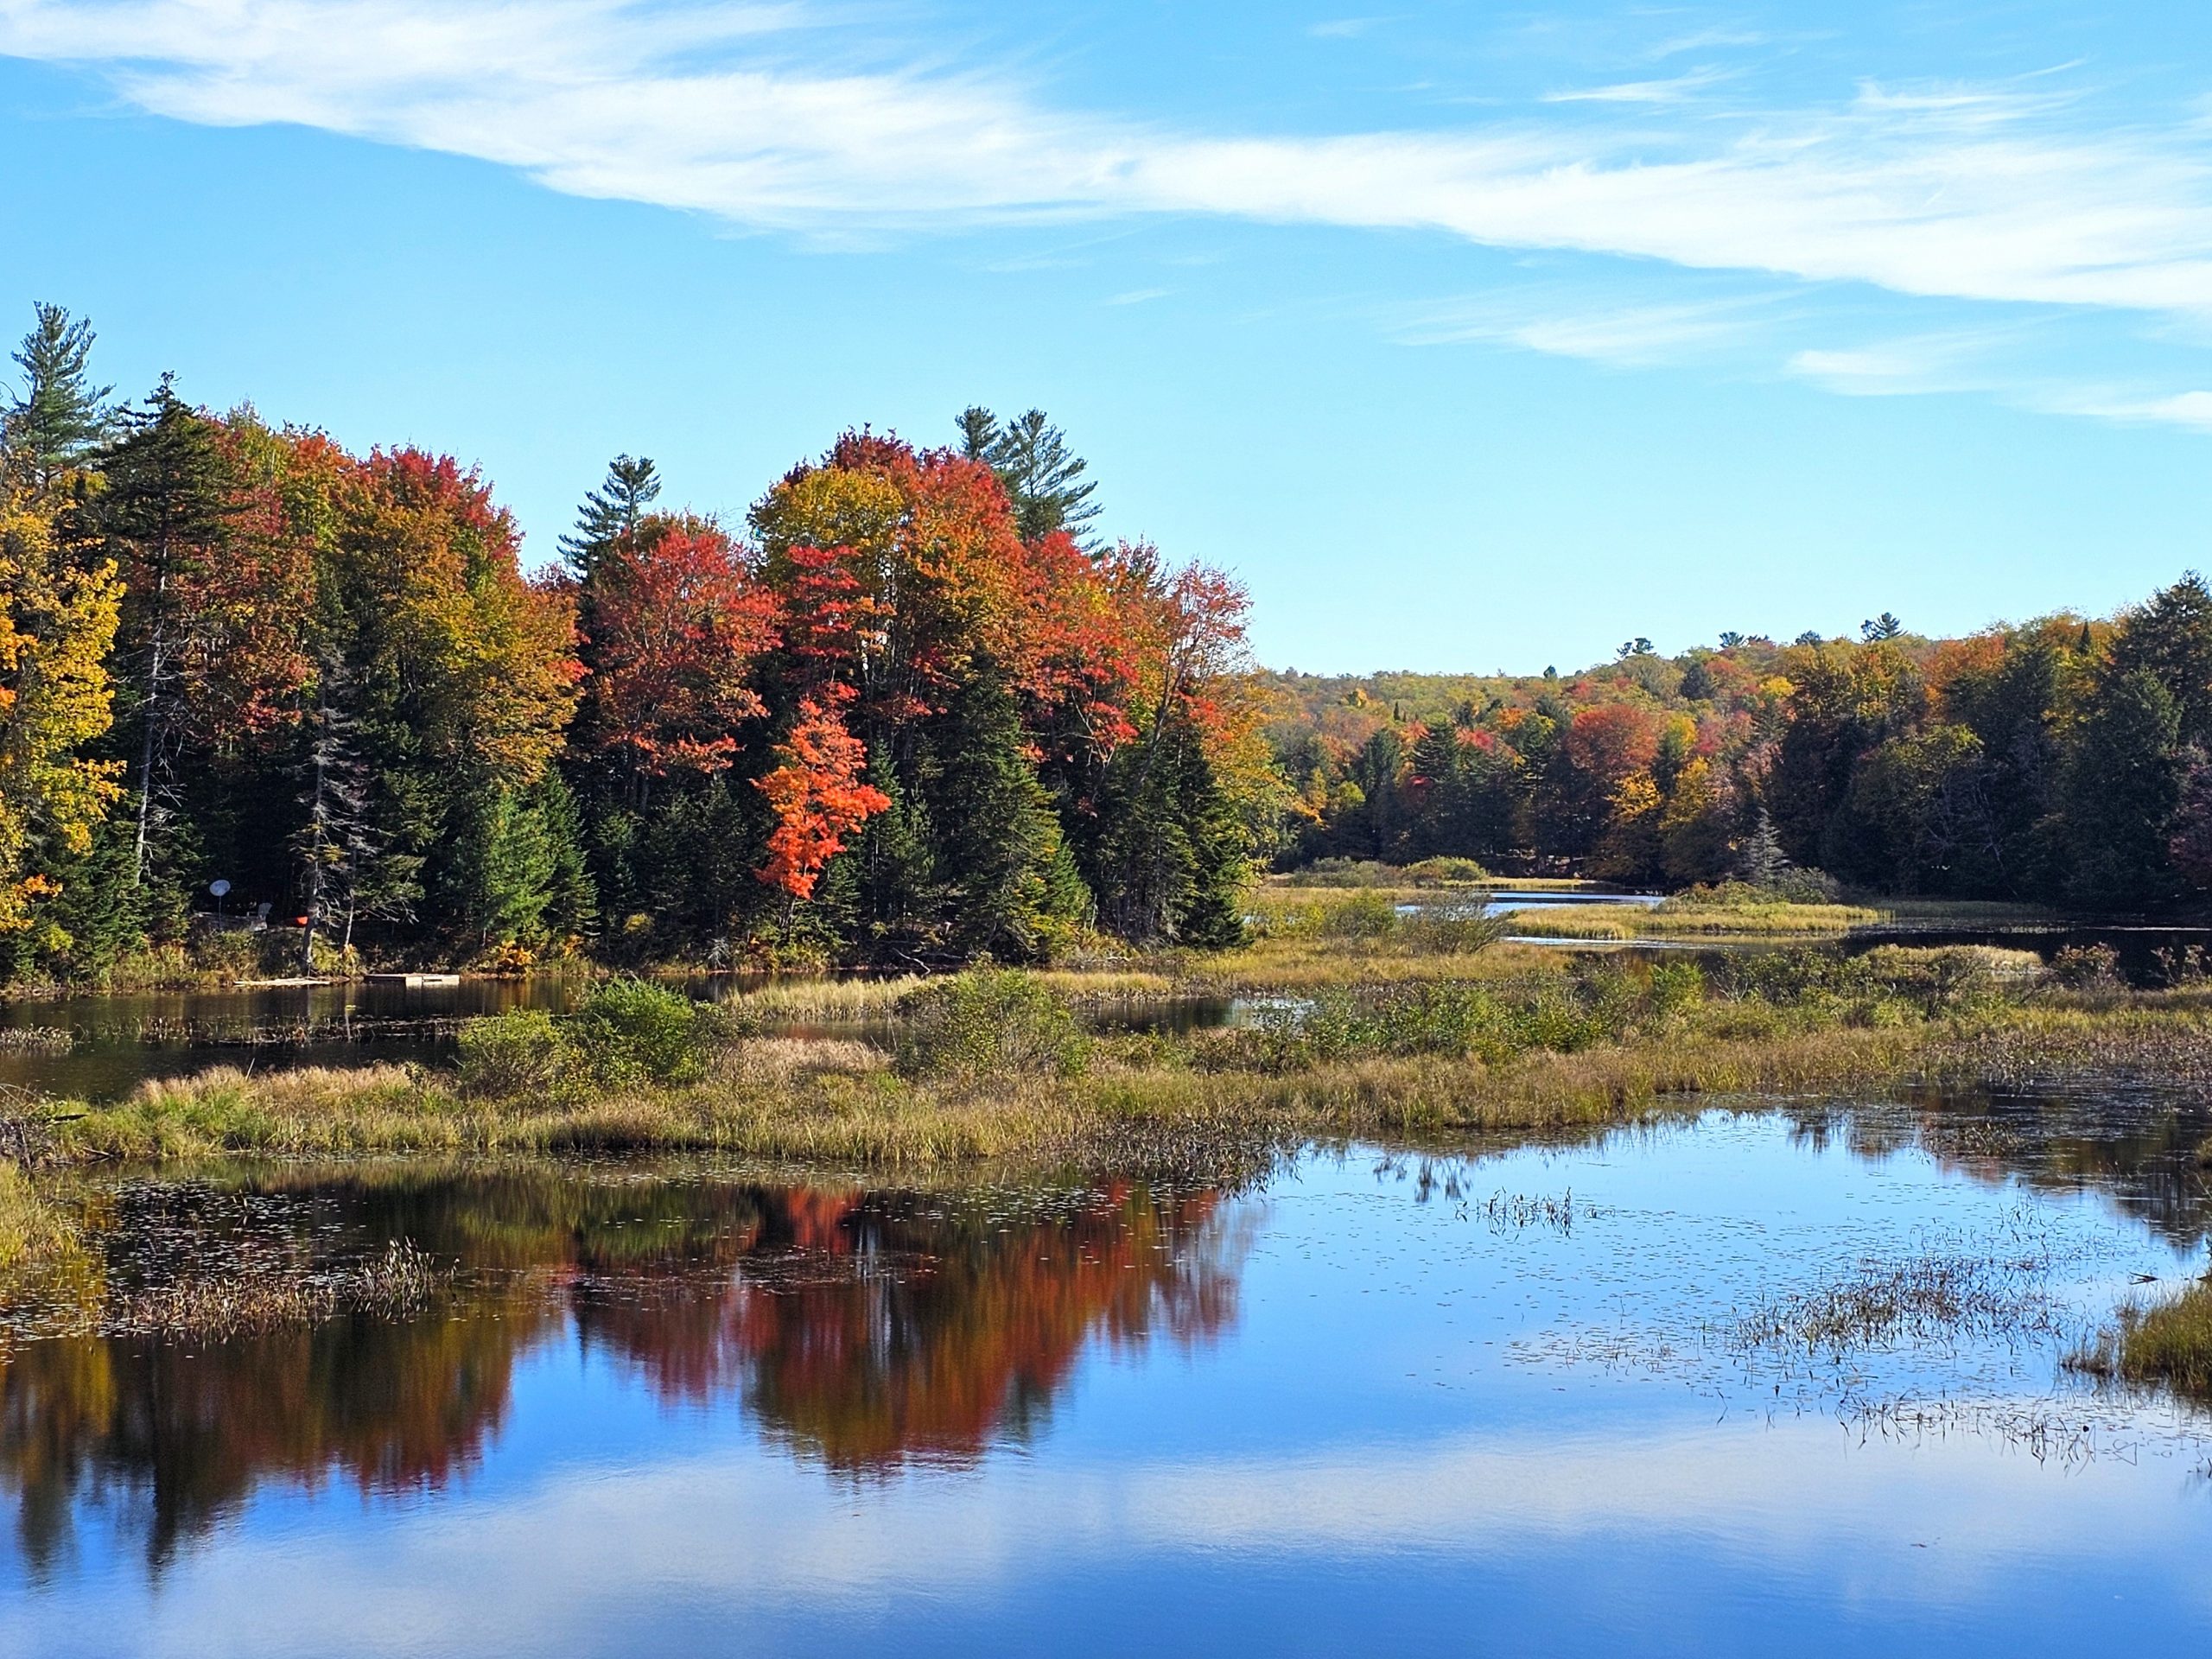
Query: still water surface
(1372, 1405)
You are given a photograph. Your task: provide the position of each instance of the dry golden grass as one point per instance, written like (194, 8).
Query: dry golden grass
(1296, 966)
(834, 1001)
(1626, 922)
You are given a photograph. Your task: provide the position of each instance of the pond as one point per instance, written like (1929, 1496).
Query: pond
(120, 1040)
(1559, 1399)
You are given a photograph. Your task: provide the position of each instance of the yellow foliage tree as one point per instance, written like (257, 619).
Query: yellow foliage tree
(57, 624)
(1629, 849)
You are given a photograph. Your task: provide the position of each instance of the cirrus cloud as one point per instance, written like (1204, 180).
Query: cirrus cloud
(767, 117)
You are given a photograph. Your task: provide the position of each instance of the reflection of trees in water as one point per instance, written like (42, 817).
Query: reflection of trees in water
(174, 1436)
(942, 1328)
(865, 1329)
(2135, 1146)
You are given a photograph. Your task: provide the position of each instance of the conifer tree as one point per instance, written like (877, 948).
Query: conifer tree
(333, 831)
(2122, 788)
(979, 433)
(611, 512)
(1762, 862)
(167, 513)
(1043, 479)
(998, 842)
(59, 419)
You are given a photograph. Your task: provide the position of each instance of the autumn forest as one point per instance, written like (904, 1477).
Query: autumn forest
(914, 710)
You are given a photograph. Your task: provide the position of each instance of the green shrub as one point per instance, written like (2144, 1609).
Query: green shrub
(1491, 1023)
(1346, 873)
(1947, 978)
(1808, 888)
(633, 1031)
(1360, 916)
(988, 1022)
(2087, 968)
(1789, 887)
(1446, 872)
(1457, 930)
(521, 1052)
(1675, 987)
(1791, 979)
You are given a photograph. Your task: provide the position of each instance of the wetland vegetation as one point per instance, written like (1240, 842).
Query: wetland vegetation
(1355, 1018)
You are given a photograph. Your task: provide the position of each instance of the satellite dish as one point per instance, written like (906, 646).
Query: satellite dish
(219, 888)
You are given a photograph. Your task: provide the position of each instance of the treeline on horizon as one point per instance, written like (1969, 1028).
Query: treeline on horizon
(911, 713)
(2063, 761)
(914, 711)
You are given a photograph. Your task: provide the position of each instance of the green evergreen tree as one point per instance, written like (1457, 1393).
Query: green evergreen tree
(896, 866)
(1762, 862)
(612, 510)
(2122, 786)
(167, 513)
(2171, 638)
(1042, 477)
(572, 901)
(999, 847)
(334, 798)
(99, 910)
(58, 420)
(499, 884)
(1173, 860)
(979, 433)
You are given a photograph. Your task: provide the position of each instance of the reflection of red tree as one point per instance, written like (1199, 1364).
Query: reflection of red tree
(936, 1333)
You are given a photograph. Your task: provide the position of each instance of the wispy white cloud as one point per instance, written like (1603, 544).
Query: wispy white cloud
(1955, 361)
(2192, 410)
(1638, 336)
(1708, 40)
(1988, 361)
(751, 113)
(1140, 296)
(1342, 29)
(1675, 89)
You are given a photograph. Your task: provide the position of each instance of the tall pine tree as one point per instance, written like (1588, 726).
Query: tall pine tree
(611, 512)
(59, 419)
(1043, 479)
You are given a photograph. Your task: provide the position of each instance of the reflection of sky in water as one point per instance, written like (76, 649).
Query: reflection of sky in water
(1399, 1436)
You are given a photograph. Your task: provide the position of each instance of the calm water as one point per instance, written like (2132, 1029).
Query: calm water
(1517, 1405)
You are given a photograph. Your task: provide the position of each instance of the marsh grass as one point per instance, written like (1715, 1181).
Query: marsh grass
(1937, 1298)
(982, 1077)
(396, 1284)
(2169, 1342)
(1680, 918)
(855, 1002)
(43, 1256)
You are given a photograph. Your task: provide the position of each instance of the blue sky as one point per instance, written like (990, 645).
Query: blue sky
(1469, 336)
